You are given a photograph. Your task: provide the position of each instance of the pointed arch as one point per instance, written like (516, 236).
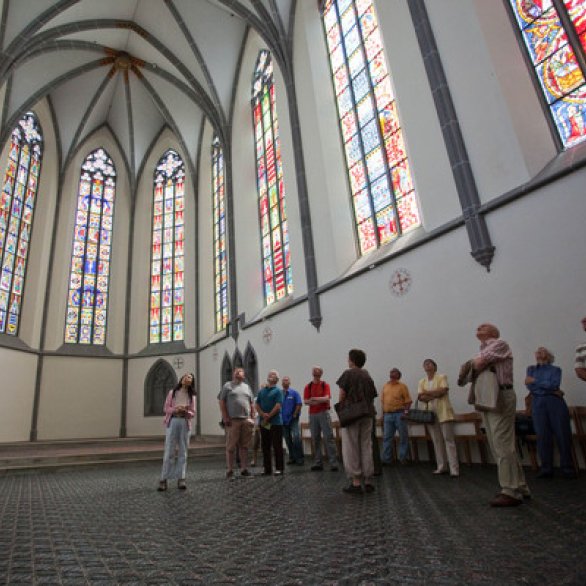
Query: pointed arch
(226, 370)
(160, 379)
(17, 203)
(237, 361)
(251, 367)
(219, 243)
(274, 230)
(87, 299)
(383, 195)
(167, 292)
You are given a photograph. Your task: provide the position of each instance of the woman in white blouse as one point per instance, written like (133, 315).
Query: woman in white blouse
(433, 390)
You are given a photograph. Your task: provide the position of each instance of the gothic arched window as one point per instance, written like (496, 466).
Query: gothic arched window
(383, 197)
(554, 32)
(220, 257)
(167, 304)
(87, 300)
(17, 202)
(160, 379)
(274, 232)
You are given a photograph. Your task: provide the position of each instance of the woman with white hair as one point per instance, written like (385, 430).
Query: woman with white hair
(551, 417)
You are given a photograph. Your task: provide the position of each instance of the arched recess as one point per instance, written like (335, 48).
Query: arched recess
(226, 371)
(159, 380)
(251, 367)
(237, 361)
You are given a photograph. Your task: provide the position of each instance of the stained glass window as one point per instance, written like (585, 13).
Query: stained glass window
(17, 203)
(554, 32)
(87, 299)
(167, 304)
(383, 197)
(277, 277)
(220, 258)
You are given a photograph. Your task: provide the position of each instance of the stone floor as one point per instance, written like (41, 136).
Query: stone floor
(108, 525)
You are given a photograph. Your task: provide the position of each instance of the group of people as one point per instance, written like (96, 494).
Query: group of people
(274, 414)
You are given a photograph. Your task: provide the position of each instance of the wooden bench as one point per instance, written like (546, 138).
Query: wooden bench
(307, 441)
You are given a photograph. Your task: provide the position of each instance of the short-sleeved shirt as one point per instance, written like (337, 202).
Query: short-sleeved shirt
(315, 390)
(267, 398)
(358, 384)
(291, 399)
(580, 360)
(238, 398)
(395, 396)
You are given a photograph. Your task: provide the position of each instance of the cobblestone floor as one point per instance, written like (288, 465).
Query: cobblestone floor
(108, 525)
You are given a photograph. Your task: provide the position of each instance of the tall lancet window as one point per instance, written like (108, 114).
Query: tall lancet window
(554, 32)
(383, 197)
(167, 306)
(277, 278)
(220, 259)
(17, 204)
(87, 300)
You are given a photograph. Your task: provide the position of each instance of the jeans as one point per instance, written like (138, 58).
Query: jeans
(177, 434)
(321, 423)
(391, 423)
(292, 436)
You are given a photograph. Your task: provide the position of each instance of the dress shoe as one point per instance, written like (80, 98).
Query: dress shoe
(162, 486)
(440, 471)
(334, 468)
(369, 488)
(569, 474)
(290, 462)
(317, 467)
(544, 474)
(504, 500)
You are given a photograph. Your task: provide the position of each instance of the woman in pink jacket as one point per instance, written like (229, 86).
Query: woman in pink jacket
(179, 411)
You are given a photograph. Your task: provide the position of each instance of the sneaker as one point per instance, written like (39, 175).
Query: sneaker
(317, 467)
(162, 486)
(369, 488)
(181, 484)
(229, 474)
(278, 473)
(290, 462)
(245, 472)
(352, 489)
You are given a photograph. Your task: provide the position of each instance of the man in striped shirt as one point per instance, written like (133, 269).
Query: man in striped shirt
(500, 426)
(580, 362)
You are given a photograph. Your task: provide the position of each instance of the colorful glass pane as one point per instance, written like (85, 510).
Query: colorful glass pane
(87, 298)
(166, 311)
(371, 102)
(271, 191)
(17, 201)
(220, 264)
(556, 65)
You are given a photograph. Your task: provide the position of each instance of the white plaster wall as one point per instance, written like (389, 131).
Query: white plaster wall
(532, 293)
(18, 385)
(248, 250)
(80, 398)
(142, 238)
(136, 423)
(119, 253)
(500, 116)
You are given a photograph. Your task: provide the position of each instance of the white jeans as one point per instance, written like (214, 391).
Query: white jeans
(444, 446)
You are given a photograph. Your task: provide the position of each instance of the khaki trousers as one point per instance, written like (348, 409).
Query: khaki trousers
(357, 449)
(500, 433)
(444, 446)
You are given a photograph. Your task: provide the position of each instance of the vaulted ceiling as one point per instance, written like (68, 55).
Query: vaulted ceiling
(136, 66)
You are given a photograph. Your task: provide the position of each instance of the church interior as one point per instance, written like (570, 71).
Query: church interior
(191, 186)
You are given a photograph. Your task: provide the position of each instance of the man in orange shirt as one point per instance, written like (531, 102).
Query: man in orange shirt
(395, 402)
